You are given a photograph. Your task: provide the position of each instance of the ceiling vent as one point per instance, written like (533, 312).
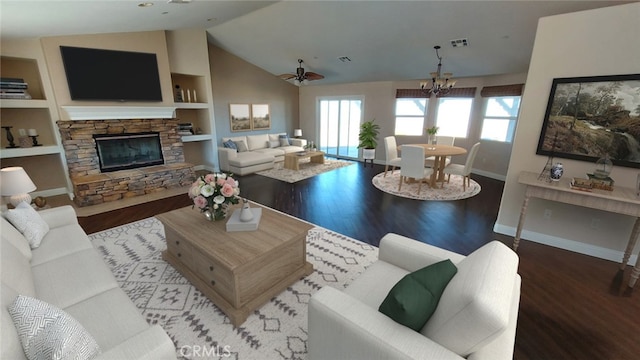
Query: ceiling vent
(179, 1)
(344, 59)
(460, 42)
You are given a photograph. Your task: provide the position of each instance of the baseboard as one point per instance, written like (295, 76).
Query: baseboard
(489, 174)
(50, 192)
(566, 244)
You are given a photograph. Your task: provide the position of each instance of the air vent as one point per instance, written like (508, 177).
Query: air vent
(344, 59)
(460, 42)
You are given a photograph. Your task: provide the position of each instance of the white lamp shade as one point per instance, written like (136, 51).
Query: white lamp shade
(297, 132)
(15, 182)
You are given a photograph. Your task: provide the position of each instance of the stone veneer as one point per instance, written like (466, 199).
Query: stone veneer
(91, 187)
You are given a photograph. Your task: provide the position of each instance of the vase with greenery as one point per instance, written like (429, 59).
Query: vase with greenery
(432, 131)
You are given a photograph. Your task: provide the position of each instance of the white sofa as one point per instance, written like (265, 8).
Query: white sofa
(474, 319)
(260, 155)
(67, 272)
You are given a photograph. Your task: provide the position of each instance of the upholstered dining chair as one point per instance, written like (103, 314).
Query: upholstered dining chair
(442, 140)
(463, 170)
(391, 151)
(412, 165)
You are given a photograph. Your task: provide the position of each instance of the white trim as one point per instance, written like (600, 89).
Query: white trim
(119, 112)
(566, 244)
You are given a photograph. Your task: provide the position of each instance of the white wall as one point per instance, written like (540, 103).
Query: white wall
(588, 43)
(379, 103)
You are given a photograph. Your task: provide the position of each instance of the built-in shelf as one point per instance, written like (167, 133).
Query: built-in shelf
(23, 104)
(193, 138)
(119, 112)
(31, 151)
(191, 105)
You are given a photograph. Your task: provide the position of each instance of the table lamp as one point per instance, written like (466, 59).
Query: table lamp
(15, 183)
(297, 133)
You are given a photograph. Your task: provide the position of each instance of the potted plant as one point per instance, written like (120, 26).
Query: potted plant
(368, 138)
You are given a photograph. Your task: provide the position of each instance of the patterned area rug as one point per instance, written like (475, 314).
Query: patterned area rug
(307, 170)
(277, 330)
(450, 191)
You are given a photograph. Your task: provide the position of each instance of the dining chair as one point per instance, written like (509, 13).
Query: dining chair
(463, 170)
(412, 165)
(391, 151)
(442, 140)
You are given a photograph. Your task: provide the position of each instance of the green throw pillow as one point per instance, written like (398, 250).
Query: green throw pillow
(413, 300)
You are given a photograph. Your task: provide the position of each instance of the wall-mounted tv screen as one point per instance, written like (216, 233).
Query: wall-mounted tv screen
(111, 75)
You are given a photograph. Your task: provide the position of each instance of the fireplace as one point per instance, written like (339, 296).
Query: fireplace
(128, 151)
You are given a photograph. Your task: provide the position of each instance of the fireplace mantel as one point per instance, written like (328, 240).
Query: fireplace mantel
(119, 112)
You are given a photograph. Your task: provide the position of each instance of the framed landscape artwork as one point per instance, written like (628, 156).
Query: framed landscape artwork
(590, 117)
(260, 119)
(240, 117)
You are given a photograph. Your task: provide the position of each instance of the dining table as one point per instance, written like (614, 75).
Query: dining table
(440, 153)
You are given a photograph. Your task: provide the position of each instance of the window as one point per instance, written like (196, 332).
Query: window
(410, 113)
(500, 116)
(453, 116)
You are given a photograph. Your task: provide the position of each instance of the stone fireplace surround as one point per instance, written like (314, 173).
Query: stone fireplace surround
(92, 187)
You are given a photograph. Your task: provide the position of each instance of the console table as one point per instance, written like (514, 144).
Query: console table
(621, 201)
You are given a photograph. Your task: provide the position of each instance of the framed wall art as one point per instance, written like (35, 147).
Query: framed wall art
(260, 118)
(240, 117)
(590, 117)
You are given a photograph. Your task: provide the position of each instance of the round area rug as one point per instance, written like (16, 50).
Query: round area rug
(450, 191)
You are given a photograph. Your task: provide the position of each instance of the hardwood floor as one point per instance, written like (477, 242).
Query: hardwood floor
(570, 307)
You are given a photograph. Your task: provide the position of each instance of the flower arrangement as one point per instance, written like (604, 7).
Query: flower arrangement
(213, 193)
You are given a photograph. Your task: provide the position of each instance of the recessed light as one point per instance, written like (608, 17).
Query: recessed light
(145, 4)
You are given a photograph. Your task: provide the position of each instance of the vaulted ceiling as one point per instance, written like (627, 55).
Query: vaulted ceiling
(384, 40)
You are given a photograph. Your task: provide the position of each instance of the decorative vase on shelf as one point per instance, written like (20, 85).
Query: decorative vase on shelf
(556, 171)
(603, 167)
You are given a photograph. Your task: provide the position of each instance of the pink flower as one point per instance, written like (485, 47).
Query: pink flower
(209, 178)
(231, 182)
(227, 190)
(194, 190)
(220, 181)
(200, 202)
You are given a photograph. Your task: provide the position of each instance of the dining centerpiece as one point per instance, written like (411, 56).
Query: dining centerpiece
(213, 194)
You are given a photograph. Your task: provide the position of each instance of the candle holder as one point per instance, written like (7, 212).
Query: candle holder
(10, 137)
(35, 140)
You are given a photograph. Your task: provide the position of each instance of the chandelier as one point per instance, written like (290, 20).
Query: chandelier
(440, 83)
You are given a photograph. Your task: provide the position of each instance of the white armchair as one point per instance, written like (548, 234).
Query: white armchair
(475, 318)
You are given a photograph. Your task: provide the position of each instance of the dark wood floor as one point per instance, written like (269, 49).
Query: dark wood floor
(570, 306)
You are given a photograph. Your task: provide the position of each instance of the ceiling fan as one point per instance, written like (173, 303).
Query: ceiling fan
(301, 77)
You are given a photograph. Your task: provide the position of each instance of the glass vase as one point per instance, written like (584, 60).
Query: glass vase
(603, 167)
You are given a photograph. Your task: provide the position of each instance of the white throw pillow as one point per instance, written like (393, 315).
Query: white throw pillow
(274, 143)
(46, 332)
(29, 223)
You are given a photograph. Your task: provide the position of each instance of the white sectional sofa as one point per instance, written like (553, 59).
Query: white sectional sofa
(68, 273)
(261, 153)
(475, 318)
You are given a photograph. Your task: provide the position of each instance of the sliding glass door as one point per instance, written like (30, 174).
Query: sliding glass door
(340, 120)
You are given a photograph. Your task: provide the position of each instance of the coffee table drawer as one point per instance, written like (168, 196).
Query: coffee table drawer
(182, 250)
(215, 275)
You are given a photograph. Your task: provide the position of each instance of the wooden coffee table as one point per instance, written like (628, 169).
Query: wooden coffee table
(291, 160)
(237, 271)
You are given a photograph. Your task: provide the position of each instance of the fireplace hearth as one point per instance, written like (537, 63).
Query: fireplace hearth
(128, 151)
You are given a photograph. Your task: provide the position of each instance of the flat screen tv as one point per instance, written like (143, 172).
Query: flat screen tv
(111, 75)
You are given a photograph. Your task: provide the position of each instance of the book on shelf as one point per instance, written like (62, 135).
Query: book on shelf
(185, 129)
(12, 83)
